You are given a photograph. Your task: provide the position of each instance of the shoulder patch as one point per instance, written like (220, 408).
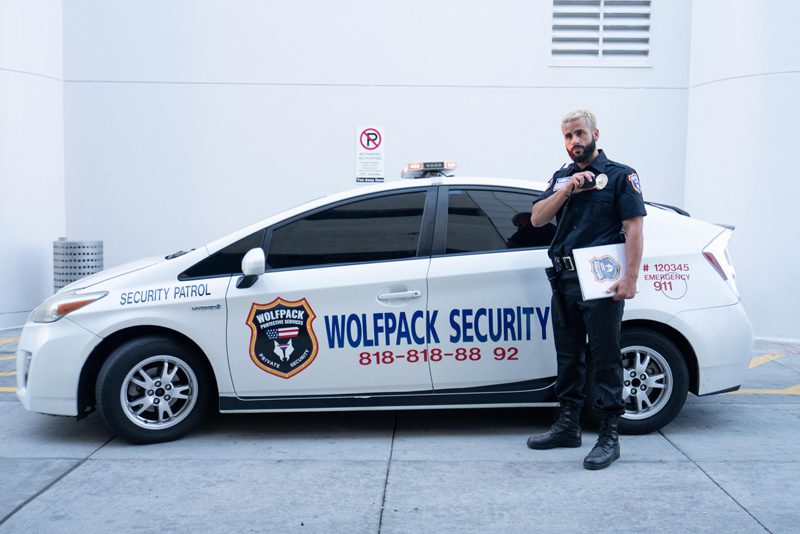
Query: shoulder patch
(633, 178)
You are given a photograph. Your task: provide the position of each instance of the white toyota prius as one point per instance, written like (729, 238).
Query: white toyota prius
(426, 293)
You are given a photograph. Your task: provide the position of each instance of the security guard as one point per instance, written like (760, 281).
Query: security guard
(595, 201)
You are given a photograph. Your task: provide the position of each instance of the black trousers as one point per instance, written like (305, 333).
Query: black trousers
(600, 320)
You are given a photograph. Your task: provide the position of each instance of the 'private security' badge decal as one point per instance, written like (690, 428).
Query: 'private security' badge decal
(282, 340)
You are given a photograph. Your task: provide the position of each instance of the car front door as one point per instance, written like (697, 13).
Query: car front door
(488, 284)
(341, 308)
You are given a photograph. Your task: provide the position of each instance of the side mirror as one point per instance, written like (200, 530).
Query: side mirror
(253, 265)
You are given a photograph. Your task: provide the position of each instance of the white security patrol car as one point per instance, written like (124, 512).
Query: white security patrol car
(426, 293)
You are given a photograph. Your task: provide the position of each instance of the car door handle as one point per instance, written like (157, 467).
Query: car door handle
(400, 295)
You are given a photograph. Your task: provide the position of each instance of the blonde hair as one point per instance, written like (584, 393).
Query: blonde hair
(591, 120)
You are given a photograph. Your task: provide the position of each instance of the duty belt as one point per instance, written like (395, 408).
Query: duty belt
(563, 263)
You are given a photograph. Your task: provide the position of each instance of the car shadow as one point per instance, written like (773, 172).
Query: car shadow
(428, 422)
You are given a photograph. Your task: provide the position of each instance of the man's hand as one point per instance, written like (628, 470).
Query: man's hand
(634, 243)
(624, 289)
(576, 183)
(544, 211)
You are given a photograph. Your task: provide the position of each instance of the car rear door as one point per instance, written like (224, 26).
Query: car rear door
(488, 284)
(342, 304)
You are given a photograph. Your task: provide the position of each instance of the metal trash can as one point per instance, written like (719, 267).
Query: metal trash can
(72, 260)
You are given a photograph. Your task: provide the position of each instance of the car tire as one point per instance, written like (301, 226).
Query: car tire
(153, 389)
(666, 384)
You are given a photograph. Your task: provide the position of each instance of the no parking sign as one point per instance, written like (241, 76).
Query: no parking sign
(370, 162)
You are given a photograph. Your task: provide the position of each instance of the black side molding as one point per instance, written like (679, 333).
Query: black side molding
(490, 395)
(729, 390)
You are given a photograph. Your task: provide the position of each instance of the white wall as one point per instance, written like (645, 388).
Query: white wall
(189, 119)
(31, 153)
(743, 117)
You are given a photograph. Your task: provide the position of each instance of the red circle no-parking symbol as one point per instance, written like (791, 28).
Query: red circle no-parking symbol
(370, 139)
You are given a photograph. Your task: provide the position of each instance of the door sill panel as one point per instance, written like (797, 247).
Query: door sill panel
(530, 393)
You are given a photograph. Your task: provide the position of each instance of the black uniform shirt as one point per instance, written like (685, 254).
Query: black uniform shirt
(594, 217)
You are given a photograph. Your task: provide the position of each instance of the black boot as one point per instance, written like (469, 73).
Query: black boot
(606, 450)
(565, 432)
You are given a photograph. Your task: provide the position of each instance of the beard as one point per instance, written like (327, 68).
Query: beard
(586, 154)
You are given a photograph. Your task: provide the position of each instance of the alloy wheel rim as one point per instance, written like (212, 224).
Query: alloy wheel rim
(159, 392)
(646, 382)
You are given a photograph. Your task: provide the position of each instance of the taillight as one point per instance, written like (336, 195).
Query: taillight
(716, 253)
(715, 264)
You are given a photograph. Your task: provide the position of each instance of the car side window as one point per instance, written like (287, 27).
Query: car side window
(386, 227)
(481, 220)
(226, 261)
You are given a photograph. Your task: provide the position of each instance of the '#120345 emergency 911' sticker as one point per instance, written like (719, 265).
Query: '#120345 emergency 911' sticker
(282, 339)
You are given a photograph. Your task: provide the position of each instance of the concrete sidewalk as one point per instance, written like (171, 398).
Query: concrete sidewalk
(727, 463)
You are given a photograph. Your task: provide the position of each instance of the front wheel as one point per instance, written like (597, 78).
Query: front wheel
(655, 381)
(153, 389)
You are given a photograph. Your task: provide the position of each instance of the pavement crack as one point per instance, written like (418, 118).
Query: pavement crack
(52, 483)
(731, 497)
(386, 479)
(109, 440)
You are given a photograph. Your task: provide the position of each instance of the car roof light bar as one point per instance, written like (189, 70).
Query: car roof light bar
(427, 169)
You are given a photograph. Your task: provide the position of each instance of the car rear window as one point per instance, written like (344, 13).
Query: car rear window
(481, 220)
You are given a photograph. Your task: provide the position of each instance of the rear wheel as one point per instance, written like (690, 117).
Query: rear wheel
(655, 381)
(153, 389)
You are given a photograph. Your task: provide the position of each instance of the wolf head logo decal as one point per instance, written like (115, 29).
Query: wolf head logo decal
(282, 339)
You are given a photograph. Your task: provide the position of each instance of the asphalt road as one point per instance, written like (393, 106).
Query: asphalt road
(727, 463)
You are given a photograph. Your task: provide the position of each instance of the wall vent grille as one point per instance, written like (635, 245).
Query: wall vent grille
(601, 31)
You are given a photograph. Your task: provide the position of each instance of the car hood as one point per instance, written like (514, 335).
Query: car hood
(113, 272)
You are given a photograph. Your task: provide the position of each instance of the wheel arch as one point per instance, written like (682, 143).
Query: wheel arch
(92, 365)
(680, 341)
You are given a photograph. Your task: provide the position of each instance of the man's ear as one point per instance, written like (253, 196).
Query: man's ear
(596, 135)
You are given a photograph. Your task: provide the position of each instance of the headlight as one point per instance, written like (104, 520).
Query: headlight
(61, 304)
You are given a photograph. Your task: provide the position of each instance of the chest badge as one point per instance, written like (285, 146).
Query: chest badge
(605, 268)
(282, 339)
(601, 181)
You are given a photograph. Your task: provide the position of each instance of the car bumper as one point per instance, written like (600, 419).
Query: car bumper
(49, 361)
(722, 339)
